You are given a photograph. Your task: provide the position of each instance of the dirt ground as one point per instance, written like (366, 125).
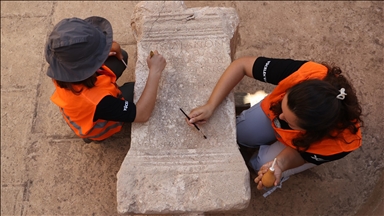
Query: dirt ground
(47, 170)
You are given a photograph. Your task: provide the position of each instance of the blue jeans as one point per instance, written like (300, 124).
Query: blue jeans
(255, 130)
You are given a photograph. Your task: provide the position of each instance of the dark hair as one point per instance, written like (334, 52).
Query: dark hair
(318, 110)
(88, 83)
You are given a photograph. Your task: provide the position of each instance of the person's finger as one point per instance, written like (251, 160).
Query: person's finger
(197, 119)
(259, 176)
(111, 53)
(256, 180)
(198, 114)
(193, 120)
(263, 169)
(190, 122)
(187, 121)
(260, 185)
(260, 172)
(201, 122)
(278, 178)
(197, 122)
(194, 113)
(276, 182)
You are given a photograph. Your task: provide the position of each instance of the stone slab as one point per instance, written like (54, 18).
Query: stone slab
(170, 167)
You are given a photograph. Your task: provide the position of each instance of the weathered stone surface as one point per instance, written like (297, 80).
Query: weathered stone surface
(170, 167)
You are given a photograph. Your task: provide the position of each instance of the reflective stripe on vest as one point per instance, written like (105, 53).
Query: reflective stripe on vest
(99, 124)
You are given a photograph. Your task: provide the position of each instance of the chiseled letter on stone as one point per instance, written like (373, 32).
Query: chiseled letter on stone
(170, 167)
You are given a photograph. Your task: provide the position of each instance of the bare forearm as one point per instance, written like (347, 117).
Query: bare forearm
(289, 158)
(146, 103)
(230, 78)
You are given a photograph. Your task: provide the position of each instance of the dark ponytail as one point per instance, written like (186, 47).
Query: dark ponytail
(320, 113)
(351, 109)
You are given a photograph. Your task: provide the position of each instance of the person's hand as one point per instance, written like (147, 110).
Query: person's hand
(147, 100)
(116, 50)
(200, 115)
(156, 63)
(263, 170)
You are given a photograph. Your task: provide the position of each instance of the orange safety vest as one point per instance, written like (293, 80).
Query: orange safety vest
(79, 110)
(345, 142)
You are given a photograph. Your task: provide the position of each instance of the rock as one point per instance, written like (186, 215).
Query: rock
(170, 167)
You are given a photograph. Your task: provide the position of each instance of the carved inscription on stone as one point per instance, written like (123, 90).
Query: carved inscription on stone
(193, 68)
(170, 167)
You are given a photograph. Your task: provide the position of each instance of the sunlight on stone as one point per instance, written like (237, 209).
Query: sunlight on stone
(255, 98)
